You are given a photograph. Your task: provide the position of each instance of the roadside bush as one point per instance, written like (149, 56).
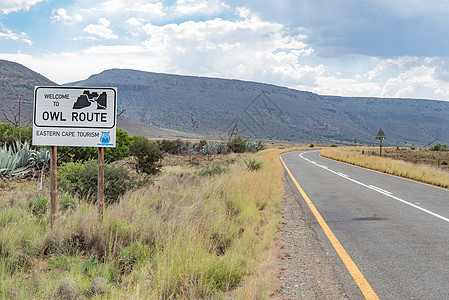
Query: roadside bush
(437, 147)
(167, 146)
(80, 154)
(9, 134)
(180, 146)
(81, 178)
(148, 155)
(238, 144)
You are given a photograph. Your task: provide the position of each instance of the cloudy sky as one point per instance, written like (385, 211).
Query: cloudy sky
(381, 48)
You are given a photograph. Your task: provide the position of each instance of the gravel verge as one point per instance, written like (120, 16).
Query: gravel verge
(307, 270)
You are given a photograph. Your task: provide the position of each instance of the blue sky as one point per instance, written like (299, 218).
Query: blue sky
(380, 48)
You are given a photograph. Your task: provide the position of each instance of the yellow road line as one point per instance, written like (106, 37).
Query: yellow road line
(361, 281)
(392, 175)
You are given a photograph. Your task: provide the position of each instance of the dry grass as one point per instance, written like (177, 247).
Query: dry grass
(410, 170)
(184, 237)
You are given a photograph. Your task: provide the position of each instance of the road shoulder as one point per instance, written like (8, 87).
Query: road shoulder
(307, 269)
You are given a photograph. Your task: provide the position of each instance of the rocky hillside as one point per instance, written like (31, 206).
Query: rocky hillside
(17, 81)
(216, 107)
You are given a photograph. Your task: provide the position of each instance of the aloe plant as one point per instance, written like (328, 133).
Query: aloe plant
(255, 146)
(221, 147)
(19, 159)
(208, 149)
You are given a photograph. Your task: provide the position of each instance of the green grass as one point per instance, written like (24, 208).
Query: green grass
(186, 236)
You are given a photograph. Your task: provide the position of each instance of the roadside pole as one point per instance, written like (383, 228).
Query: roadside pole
(53, 185)
(100, 187)
(380, 136)
(78, 117)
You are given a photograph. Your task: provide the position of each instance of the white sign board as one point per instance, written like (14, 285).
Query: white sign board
(75, 116)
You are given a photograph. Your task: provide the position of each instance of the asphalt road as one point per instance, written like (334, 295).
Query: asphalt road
(396, 231)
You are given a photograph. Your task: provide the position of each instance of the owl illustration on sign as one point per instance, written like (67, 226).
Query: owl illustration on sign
(105, 138)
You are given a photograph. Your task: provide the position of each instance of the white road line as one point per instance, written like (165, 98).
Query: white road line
(374, 188)
(380, 190)
(342, 174)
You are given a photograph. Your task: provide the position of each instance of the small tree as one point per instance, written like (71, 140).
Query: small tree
(437, 147)
(238, 144)
(148, 155)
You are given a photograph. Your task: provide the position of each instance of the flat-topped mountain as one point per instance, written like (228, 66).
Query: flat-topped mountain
(188, 106)
(217, 107)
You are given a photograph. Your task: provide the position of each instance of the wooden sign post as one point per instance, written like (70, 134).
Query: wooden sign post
(100, 187)
(53, 185)
(75, 116)
(380, 136)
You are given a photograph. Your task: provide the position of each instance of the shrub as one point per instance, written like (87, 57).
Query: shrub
(237, 144)
(167, 146)
(180, 146)
(148, 155)
(10, 133)
(437, 147)
(311, 145)
(82, 178)
(123, 141)
(253, 164)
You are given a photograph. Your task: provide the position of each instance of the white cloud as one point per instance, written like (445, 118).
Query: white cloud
(101, 29)
(249, 48)
(135, 22)
(150, 9)
(113, 6)
(418, 81)
(191, 7)
(384, 65)
(10, 35)
(7, 6)
(61, 14)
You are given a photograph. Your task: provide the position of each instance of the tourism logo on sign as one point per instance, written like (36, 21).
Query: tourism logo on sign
(105, 139)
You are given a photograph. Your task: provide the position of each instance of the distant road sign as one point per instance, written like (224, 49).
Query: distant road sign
(75, 116)
(380, 135)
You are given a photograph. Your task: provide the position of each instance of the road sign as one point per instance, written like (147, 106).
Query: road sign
(75, 116)
(380, 135)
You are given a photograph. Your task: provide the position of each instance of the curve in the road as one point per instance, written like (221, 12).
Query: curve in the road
(355, 272)
(377, 189)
